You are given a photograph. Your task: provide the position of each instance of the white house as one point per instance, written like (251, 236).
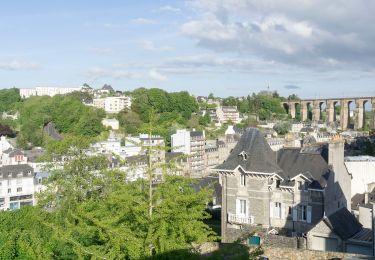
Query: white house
(16, 186)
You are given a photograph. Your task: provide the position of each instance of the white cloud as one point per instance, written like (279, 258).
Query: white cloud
(313, 34)
(168, 8)
(150, 46)
(18, 65)
(98, 72)
(155, 75)
(143, 21)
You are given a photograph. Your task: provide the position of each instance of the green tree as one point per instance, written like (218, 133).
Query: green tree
(98, 214)
(282, 128)
(9, 98)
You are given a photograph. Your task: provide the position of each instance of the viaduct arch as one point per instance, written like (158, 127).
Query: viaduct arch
(315, 110)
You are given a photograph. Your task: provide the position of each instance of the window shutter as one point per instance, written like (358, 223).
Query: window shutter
(295, 213)
(272, 204)
(308, 214)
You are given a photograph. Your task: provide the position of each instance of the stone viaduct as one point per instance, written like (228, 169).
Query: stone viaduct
(312, 109)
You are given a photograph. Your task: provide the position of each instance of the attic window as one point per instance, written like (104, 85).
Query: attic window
(244, 155)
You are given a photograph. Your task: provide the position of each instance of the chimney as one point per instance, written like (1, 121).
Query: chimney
(366, 197)
(336, 151)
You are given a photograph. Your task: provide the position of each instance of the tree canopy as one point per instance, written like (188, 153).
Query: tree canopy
(89, 211)
(9, 99)
(68, 114)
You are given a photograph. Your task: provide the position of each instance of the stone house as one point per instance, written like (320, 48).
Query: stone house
(289, 190)
(340, 231)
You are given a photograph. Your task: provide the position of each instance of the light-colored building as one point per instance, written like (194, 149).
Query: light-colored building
(191, 143)
(16, 186)
(46, 91)
(111, 122)
(362, 169)
(13, 157)
(113, 104)
(180, 141)
(4, 144)
(228, 114)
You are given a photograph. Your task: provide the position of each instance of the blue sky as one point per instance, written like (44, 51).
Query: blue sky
(313, 48)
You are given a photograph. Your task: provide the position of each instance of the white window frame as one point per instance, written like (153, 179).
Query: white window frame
(243, 180)
(277, 210)
(242, 207)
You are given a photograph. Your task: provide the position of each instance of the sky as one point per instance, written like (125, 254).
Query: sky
(312, 48)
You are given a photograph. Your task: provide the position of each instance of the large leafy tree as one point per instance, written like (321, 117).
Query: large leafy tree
(68, 114)
(95, 213)
(9, 99)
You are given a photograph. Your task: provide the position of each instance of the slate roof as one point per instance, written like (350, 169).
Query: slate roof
(311, 164)
(14, 170)
(15, 152)
(343, 223)
(173, 156)
(196, 133)
(359, 200)
(260, 157)
(107, 87)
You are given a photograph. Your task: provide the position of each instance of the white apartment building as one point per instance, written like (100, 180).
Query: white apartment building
(192, 144)
(228, 113)
(362, 169)
(46, 91)
(180, 141)
(112, 104)
(16, 186)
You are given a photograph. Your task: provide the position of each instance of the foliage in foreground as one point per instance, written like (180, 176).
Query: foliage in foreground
(90, 212)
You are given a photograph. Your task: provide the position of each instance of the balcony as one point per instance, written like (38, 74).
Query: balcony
(240, 219)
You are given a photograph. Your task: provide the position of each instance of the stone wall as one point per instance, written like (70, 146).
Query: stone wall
(274, 253)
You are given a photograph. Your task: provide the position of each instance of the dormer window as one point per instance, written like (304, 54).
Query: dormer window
(243, 155)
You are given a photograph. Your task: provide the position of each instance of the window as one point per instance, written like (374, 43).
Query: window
(277, 210)
(300, 185)
(278, 182)
(243, 180)
(289, 210)
(19, 189)
(19, 181)
(243, 207)
(9, 190)
(302, 213)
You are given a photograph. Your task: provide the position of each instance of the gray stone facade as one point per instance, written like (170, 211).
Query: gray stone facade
(290, 192)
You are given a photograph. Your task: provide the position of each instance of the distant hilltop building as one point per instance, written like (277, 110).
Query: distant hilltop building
(112, 104)
(227, 114)
(46, 91)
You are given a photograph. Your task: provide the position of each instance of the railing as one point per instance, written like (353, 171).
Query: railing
(240, 219)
